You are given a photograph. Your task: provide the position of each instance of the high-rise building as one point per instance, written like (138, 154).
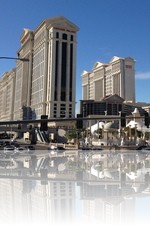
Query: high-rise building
(23, 85)
(46, 84)
(7, 87)
(116, 77)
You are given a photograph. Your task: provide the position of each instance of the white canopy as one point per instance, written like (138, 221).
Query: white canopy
(138, 125)
(133, 124)
(97, 126)
(111, 126)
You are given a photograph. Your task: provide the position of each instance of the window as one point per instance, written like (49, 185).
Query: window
(57, 35)
(129, 66)
(71, 37)
(64, 36)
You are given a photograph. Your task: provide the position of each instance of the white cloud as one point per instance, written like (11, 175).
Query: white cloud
(143, 75)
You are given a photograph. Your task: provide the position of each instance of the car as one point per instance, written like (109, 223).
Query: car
(146, 149)
(30, 149)
(60, 149)
(9, 149)
(6, 143)
(52, 147)
(57, 149)
(19, 150)
(97, 149)
(15, 144)
(141, 147)
(1, 143)
(86, 148)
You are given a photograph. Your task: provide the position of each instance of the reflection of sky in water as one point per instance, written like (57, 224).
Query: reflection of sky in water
(142, 210)
(79, 206)
(108, 189)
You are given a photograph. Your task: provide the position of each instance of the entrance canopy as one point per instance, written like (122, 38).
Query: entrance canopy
(138, 125)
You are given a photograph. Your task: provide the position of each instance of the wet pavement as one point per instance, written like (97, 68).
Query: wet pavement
(75, 187)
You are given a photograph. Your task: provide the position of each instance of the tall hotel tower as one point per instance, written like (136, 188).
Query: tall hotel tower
(115, 77)
(46, 84)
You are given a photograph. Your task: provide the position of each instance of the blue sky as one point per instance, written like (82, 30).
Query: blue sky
(107, 28)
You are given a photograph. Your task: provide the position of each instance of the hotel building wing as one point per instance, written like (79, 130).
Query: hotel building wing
(46, 84)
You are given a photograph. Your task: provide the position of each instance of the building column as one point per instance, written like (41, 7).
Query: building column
(45, 73)
(74, 79)
(51, 75)
(59, 70)
(29, 85)
(68, 73)
(122, 80)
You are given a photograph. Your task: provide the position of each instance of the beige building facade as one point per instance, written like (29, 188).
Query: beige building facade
(22, 96)
(45, 84)
(54, 68)
(116, 77)
(50, 83)
(7, 87)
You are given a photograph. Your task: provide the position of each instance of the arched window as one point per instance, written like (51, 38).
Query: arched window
(57, 34)
(64, 36)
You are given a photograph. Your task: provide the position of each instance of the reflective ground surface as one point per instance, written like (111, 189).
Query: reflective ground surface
(75, 187)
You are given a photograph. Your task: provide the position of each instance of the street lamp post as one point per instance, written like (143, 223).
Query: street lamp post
(105, 112)
(135, 135)
(120, 124)
(130, 133)
(20, 59)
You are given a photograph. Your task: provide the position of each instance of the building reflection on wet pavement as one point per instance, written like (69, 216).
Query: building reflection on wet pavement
(79, 187)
